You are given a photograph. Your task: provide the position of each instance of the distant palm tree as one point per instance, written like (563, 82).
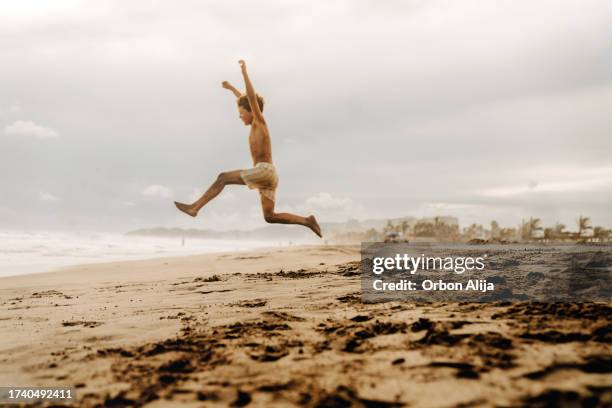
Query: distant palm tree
(474, 231)
(508, 234)
(437, 223)
(535, 224)
(549, 234)
(559, 231)
(601, 234)
(404, 227)
(583, 225)
(495, 229)
(529, 227)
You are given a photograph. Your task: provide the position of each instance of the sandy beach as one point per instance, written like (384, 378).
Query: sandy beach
(286, 327)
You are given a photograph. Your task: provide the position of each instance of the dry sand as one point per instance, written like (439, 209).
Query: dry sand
(286, 327)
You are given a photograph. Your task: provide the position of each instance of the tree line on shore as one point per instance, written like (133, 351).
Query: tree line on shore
(437, 229)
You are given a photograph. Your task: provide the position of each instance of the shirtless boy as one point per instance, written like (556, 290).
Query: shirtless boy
(263, 175)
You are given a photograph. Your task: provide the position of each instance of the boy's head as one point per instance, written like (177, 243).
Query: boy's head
(246, 114)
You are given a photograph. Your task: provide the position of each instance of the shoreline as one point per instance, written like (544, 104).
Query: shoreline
(80, 265)
(29, 253)
(63, 271)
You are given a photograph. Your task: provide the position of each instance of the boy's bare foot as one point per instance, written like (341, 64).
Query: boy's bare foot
(186, 209)
(314, 225)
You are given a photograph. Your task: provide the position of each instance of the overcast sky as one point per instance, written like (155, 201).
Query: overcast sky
(110, 110)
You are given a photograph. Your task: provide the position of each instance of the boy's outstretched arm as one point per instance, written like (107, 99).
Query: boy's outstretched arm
(250, 91)
(231, 87)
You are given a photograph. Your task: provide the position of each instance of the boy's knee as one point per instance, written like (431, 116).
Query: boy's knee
(222, 177)
(269, 217)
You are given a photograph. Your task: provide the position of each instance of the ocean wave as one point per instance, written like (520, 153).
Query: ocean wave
(25, 252)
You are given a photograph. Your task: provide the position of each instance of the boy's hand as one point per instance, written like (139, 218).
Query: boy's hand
(231, 88)
(242, 65)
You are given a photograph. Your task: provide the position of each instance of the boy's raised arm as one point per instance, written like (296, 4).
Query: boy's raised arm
(231, 87)
(250, 92)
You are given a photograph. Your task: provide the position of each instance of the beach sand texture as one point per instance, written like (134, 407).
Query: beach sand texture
(286, 327)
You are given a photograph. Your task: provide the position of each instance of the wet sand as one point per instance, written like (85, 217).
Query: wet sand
(286, 327)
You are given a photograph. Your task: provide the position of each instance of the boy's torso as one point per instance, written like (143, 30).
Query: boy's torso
(259, 143)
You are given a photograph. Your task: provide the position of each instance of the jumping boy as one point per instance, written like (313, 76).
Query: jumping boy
(263, 175)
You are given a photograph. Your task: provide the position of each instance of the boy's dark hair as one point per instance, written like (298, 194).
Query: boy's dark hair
(244, 102)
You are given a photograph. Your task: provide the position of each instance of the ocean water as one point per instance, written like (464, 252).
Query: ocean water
(24, 253)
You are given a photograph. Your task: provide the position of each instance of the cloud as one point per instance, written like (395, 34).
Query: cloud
(30, 129)
(11, 110)
(43, 196)
(327, 208)
(156, 190)
(551, 187)
(325, 201)
(121, 204)
(561, 179)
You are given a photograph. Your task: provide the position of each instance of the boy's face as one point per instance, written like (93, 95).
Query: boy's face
(245, 115)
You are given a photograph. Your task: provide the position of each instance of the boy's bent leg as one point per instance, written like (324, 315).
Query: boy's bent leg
(225, 178)
(272, 217)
